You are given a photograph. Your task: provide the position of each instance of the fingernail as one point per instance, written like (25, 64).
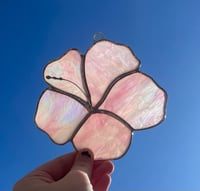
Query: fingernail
(86, 153)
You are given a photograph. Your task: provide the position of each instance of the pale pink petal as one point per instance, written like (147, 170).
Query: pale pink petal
(68, 68)
(138, 100)
(59, 115)
(104, 135)
(103, 63)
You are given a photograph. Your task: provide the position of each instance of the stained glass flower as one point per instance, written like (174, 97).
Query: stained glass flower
(99, 99)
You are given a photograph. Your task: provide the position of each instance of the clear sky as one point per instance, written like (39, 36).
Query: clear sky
(165, 35)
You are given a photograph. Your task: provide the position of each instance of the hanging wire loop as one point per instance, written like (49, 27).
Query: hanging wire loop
(98, 36)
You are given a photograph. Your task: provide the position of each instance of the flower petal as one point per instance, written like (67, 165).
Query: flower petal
(138, 100)
(104, 135)
(103, 63)
(59, 115)
(68, 68)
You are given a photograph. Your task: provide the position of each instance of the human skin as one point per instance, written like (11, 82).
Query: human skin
(75, 171)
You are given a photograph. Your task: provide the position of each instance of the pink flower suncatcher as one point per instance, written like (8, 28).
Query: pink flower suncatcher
(99, 99)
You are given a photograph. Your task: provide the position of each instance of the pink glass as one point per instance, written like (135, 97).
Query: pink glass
(98, 99)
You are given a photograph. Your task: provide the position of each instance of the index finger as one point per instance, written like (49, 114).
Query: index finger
(57, 168)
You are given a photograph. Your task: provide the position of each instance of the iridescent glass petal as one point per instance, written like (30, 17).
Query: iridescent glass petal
(103, 63)
(138, 100)
(59, 115)
(107, 137)
(65, 74)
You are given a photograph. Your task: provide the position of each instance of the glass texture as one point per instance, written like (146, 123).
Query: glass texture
(97, 100)
(104, 135)
(68, 68)
(104, 62)
(138, 100)
(59, 115)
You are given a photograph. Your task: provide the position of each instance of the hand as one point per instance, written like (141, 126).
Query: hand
(75, 171)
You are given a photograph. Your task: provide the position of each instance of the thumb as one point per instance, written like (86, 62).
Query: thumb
(78, 178)
(83, 162)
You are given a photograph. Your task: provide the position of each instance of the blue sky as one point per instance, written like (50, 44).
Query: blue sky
(165, 35)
